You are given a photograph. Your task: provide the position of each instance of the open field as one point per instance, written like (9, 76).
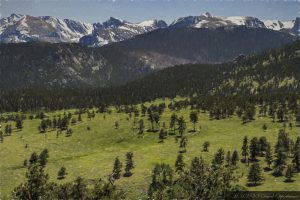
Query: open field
(91, 154)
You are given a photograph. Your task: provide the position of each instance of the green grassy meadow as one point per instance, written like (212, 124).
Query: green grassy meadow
(91, 154)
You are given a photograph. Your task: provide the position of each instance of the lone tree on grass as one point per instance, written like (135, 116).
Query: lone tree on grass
(206, 144)
(194, 119)
(61, 173)
(117, 168)
(129, 164)
(254, 176)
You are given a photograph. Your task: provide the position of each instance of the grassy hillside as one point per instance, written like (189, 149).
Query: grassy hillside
(91, 153)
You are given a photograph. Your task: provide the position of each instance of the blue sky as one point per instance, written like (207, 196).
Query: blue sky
(140, 10)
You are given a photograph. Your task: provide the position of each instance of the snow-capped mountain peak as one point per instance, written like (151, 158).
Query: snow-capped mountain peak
(113, 23)
(24, 28)
(207, 20)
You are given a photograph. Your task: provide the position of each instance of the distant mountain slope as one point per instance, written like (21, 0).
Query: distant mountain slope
(269, 73)
(167, 47)
(30, 65)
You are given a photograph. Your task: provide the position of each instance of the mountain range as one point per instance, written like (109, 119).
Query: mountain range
(24, 28)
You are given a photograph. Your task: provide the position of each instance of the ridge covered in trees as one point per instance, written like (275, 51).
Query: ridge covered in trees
(269, 76)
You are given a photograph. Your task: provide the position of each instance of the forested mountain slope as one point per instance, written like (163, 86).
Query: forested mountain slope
(268, 75)
(45, 65)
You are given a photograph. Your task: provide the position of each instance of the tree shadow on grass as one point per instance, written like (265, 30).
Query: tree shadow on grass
(253, 184)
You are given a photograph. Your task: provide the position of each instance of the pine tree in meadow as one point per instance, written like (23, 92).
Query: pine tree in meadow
(62, 173)
(269, 156)
(117, 168)
(235, 158)
(179, 164)
(129, 164)
(255, 176)
(228, 158)
(181, 126)
(206, 144)
(173, 122)
(289, 173)
(218, 160)
(254, 148)
(194, 119)
(245, 149)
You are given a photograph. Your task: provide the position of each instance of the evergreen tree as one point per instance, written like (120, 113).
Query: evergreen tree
(279, 162)
(206, 144)
(35, 187)
(228, 158)
(264, 127)
(183, 143)
(194, 119)
(79, 117)
(245, 150)
(61, 173)
(254, 148)
(262, 143)
(116, 125)
(296, 160)
(156, 119)
(173, 122)
(117, 169)
(255, 176)
(43, 158)
(162, 178)
(289, 173)
(181, 126)
(179, 164)
(235, 158)
(1, 137)
(79, 189)
(269, 156)
(19, 123)
(162, 135)
(33, 158)
(141, 126)
(151, 119)
(218, 160)
(129, 164)
(25, 163)
(105, 190)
